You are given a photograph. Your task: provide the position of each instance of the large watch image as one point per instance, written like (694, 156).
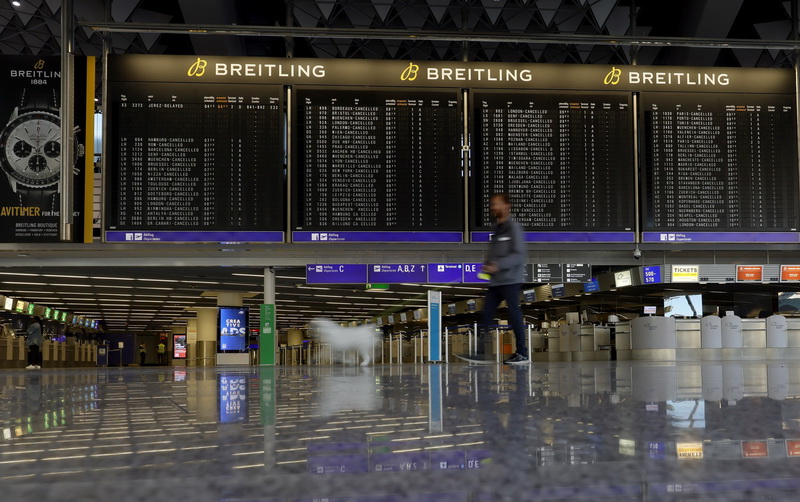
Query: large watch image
(30, 152)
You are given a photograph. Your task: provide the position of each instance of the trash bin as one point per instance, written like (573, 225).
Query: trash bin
(102, 355)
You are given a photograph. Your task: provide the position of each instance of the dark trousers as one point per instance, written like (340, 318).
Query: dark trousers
(34, 355)
(494, 296)
(142, 357)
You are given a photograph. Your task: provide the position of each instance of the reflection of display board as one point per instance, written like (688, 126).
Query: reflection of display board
(232, 398)
(565, 160)
(232, 329)
(377, 166)
(179, 346)
(195, 162)
(717, 164)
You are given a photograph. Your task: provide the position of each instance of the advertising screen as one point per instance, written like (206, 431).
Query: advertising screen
(232, 329)
(179, 346)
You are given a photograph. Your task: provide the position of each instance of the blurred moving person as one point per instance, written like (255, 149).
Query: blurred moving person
(34, 342)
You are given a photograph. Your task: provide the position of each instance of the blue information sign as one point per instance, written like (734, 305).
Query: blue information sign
(388, 273)
(445, 273)
(336, 274)
(558, 290)
(530, 295)
(471, 271)
(591, 287)
(652, 275)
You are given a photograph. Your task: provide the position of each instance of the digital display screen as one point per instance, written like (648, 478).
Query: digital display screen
(195, 162)
(232, 334)
(719, 163)
(179, 346)
(566, 160)
(9, 304)
(376, 165)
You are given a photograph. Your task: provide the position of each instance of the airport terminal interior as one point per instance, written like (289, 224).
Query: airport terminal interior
(255, 266)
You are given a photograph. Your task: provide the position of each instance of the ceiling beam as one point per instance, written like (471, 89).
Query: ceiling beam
(417, 35)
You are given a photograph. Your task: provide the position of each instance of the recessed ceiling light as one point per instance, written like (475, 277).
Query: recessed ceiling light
(15, 3)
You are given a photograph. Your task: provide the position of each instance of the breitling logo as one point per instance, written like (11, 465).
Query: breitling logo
(198, 68)
(410, 72)
(39, 65)
(612, 77)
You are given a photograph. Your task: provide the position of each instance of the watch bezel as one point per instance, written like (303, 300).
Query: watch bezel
(4, 135)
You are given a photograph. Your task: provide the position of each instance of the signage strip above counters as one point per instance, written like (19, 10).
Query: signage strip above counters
(193, 236)
(453, 74)
(565, 237)
(721, 237)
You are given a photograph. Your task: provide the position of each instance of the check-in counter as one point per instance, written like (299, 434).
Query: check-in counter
(754, 339)
(622, 341)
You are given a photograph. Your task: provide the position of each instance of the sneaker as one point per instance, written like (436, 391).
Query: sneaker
(38, 367)
(30, 367)
(476, 359)
(517, 359)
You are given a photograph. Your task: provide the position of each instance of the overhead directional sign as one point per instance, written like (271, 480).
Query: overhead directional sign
(445, 273)
(549, 273)
(398, 272)
(577, 272)
(471, 271)
(336, 274)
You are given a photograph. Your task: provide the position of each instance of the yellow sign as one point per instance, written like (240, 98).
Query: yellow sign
(685, 273)
(689, 450)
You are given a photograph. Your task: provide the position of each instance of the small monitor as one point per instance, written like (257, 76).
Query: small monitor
(650, 309)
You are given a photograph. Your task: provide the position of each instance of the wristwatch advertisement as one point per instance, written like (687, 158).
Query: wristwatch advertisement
(30, 147)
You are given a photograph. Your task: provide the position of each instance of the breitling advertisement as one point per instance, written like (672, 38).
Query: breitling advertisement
(30, 147)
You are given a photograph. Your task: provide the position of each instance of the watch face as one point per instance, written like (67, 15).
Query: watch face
(31, 149)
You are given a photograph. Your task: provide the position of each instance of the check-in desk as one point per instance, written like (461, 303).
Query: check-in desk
(712, 338)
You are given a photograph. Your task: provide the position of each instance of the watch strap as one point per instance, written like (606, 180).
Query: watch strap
(37, 98)
(45, 198)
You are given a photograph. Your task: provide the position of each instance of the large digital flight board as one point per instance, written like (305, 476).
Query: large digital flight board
(565, 159)
(196, 162)
(720, 167)
(378, 166)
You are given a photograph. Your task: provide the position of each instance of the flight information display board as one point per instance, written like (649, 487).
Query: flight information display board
(377, 166)
(195, 162)
(566, 160)
(719, 168)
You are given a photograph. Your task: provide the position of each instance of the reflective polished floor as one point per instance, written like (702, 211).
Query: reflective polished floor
(557, 431)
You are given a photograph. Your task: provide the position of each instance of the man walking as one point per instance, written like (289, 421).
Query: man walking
(505, 264)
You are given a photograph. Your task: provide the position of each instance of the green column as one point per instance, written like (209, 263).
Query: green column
(268, 334)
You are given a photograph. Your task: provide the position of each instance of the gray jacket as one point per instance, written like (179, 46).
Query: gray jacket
(34, 334)
(507, 250)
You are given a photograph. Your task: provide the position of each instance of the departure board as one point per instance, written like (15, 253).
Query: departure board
(196, 163)
(378, 165)
(719, 163)
(566, 160)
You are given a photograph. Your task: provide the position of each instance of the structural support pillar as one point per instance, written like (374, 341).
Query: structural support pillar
(206, 353)
(67, 119)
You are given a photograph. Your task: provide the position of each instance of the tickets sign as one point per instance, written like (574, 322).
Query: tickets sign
(686, 273)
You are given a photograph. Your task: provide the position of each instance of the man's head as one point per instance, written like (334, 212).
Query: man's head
(500, 206)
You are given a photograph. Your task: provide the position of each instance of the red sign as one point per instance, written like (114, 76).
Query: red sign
(179, 346)
(790, 273)
(793, 448)
(754, 449)
(748, 273)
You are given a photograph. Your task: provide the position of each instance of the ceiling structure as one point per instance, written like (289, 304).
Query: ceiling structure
(33, 27)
